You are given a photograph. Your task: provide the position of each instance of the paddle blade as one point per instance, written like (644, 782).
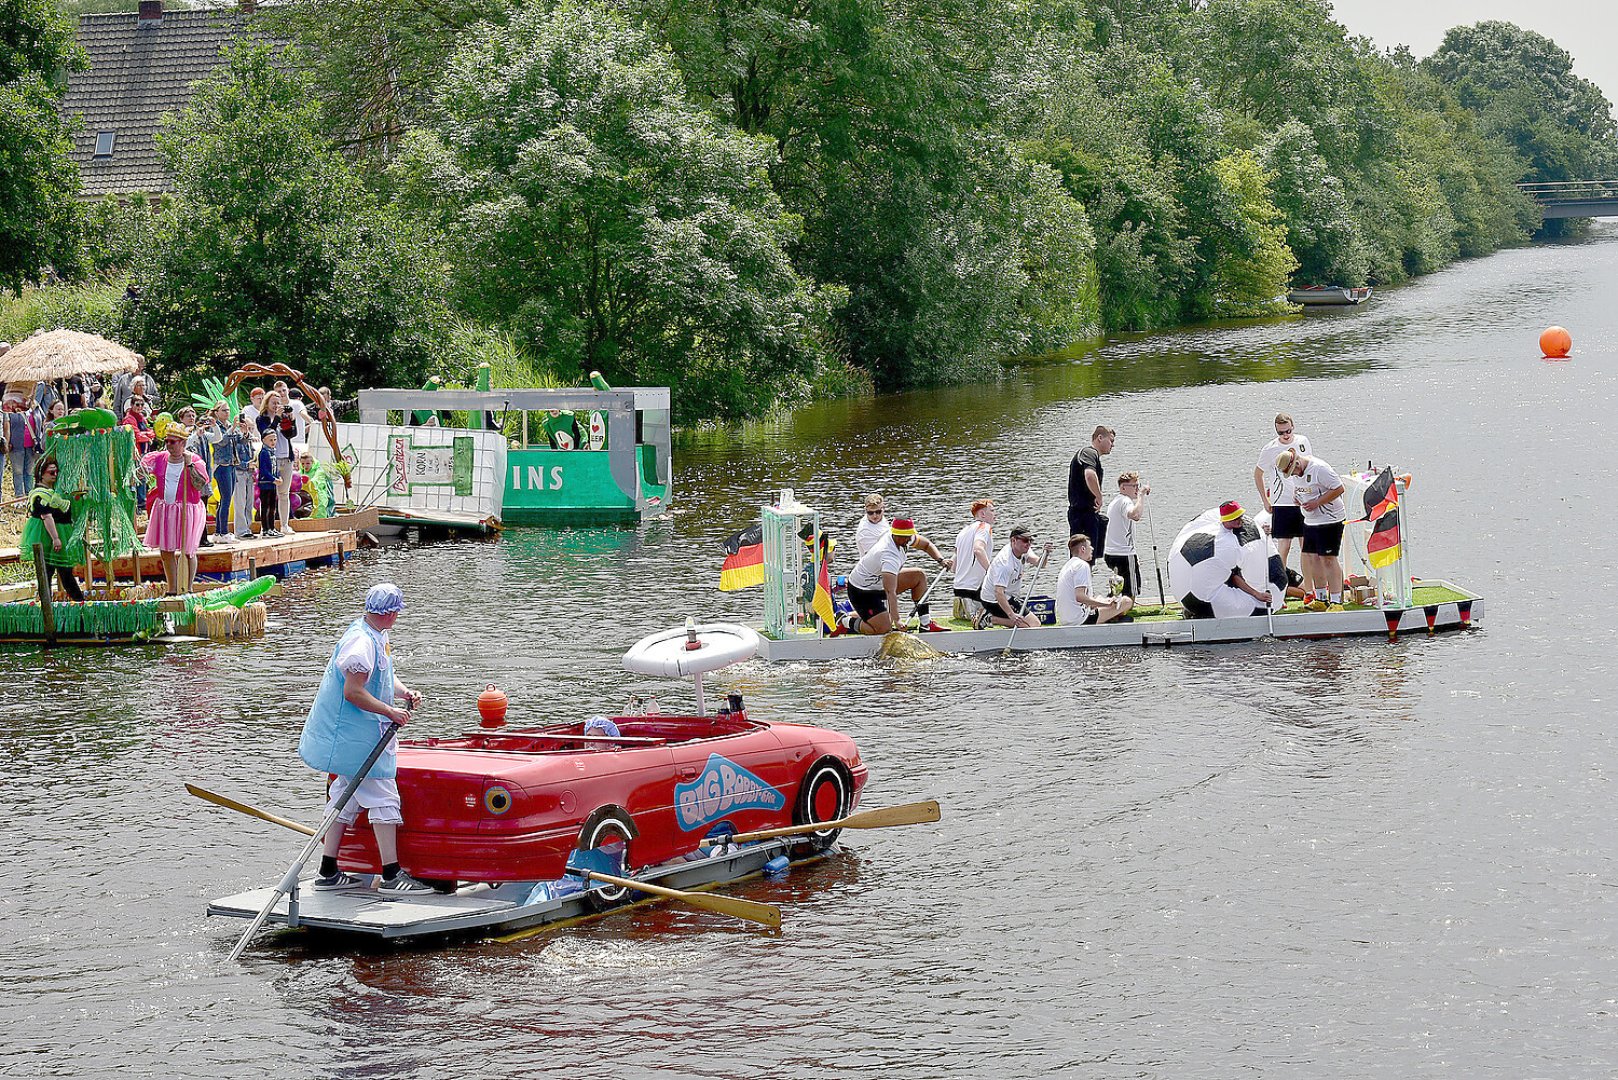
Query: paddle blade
(750, 910)
(916, 813)
(251, 811)
(764, 914)
(902, 646)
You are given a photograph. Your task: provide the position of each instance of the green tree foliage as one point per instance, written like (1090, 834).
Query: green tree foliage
(117, 235)
(1253, 263)
(955, 250)
(1522, 86)
(273, 251)
(376, 64)
(613, 224)
(39, 186)
(1322, 230)
(758, 200)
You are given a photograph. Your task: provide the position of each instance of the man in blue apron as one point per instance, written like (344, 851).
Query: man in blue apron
(351, 712)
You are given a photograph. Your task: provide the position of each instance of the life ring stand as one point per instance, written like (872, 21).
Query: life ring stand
(692, 651)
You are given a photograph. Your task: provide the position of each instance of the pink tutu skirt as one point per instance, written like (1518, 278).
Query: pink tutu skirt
(176, 526)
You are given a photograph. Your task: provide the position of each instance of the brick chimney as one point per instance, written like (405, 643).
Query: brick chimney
(151, 14)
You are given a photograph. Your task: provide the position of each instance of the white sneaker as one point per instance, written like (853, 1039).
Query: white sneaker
(404, 886)
(342, 881)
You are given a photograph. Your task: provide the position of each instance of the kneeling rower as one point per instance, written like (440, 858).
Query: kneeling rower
(1004, 577)
(877, 579)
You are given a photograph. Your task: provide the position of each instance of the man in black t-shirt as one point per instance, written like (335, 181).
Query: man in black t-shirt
(1086, 512)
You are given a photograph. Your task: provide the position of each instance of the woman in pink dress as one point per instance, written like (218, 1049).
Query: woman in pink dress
(179, 514)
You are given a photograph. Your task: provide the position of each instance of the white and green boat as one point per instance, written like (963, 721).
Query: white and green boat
(618, 471)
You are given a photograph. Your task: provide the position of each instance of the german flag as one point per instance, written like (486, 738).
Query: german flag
(744, 560)
(821, 603)
(1382, 514)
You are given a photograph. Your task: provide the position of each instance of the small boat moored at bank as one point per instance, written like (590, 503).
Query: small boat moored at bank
(1329, 295)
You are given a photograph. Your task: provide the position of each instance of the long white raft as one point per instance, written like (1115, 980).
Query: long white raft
(487, 910)
(1450, 614)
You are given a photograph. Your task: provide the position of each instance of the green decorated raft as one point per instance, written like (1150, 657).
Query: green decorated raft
(137, 613)
(97, 463)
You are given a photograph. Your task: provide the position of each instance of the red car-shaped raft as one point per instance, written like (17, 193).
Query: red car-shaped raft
(512, 805)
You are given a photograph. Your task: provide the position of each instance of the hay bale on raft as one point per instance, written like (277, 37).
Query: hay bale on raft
(230, 623)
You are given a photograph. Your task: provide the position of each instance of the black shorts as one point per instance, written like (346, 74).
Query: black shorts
(1195, 608)
(1323, 539)
(1089, 523)
(975, 595)
(868, 603)
(1128, 568)
(1286, 523)
(993, 607)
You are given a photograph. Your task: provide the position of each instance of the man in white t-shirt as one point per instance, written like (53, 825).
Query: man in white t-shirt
(1074, 604)
(974, 548)
(1123, 512)
(1280, 492)
(1320, 497)
(880, 575)
(871, 527)
(1004, 576)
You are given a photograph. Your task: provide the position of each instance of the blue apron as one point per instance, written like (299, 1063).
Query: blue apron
(338, 735)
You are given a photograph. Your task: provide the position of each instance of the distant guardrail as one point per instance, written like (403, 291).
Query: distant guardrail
(1574, 198)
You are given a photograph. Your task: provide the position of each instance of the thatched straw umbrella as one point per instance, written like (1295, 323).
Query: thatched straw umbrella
(57, 354)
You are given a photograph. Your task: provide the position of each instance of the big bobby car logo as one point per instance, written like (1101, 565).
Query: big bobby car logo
(724, 786)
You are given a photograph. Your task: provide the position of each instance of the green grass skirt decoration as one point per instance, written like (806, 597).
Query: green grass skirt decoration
(99, 467)
(93, 618)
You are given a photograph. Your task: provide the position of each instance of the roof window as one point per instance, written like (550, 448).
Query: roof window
(104, 141)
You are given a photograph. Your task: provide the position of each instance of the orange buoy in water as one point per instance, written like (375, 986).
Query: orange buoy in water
(1555, 342)
(492, 707)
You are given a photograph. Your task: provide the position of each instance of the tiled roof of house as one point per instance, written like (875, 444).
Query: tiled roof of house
(137, 74)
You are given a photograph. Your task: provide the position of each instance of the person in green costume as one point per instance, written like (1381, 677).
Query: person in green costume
(562, 430)
(50, 525)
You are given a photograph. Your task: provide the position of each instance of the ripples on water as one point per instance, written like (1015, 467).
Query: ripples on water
(1339, 858)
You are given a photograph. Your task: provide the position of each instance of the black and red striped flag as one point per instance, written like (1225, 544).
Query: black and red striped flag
(744, 560)
(1382, 514)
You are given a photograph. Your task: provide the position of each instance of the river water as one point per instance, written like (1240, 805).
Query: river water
(1277, 859)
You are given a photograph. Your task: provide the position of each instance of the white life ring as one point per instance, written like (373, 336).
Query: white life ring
(670, 652)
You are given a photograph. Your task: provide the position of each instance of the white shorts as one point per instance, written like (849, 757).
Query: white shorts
(379, 797)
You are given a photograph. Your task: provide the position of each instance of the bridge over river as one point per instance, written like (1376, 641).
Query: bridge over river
(1575, 198)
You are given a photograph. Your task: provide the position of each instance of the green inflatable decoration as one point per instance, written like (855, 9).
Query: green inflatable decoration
(83, 420)
(236, 596)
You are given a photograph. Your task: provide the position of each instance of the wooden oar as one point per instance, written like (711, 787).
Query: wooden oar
(751, 910)
(289, 880)
(1027, 596)
(250, 811)
(765, 914)
(916, 813)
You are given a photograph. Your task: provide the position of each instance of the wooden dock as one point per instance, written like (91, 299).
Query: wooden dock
(279, 556)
